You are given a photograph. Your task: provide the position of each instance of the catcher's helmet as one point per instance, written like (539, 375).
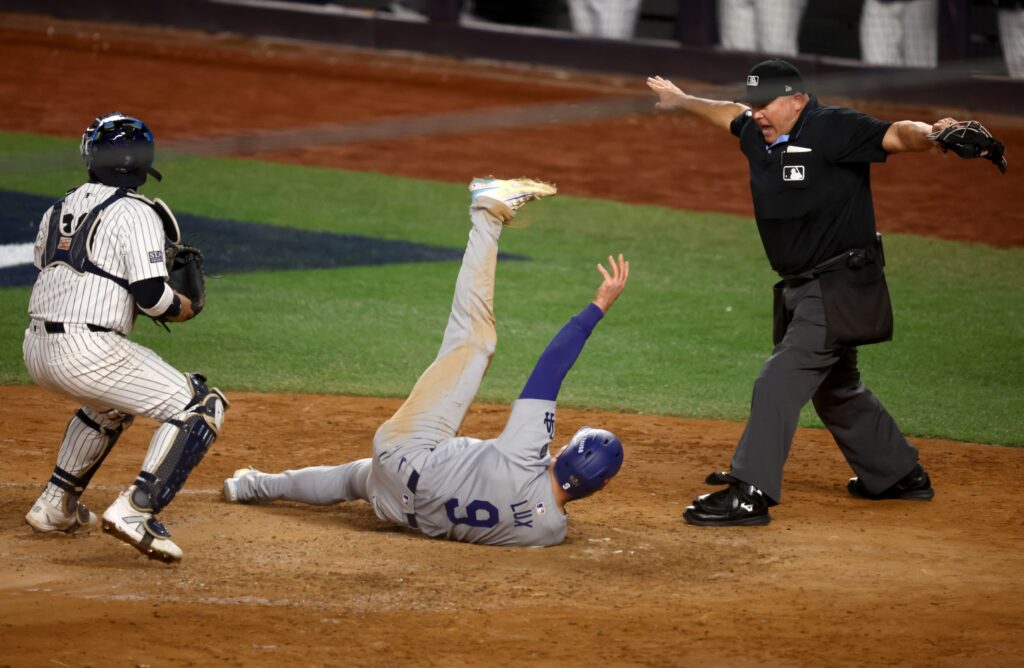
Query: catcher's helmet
(591, 459)
(118, 150)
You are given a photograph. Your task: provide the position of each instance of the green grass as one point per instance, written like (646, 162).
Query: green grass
(687, 338)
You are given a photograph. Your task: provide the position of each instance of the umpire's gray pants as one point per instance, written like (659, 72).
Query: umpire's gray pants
(802, 367)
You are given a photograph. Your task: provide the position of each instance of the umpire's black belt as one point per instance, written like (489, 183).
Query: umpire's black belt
(854, 259)
(58, 328)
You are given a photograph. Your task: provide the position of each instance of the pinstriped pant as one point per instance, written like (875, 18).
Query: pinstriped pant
(104, 371)
(111, 377)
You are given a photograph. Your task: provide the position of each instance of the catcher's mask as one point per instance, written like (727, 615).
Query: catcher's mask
(588, 462)
(118, 151)
(770, 79)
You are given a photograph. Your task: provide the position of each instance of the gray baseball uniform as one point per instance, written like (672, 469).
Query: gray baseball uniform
(496, 491)
(422, 475)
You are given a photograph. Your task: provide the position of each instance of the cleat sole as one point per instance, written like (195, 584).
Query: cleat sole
(147, 550)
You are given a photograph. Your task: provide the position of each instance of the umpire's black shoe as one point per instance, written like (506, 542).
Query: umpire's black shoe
(916, 485)
(739, 505)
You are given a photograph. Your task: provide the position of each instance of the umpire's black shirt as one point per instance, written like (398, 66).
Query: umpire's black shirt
(812, 193)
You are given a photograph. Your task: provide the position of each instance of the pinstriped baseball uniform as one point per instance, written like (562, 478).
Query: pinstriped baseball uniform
(112, 377)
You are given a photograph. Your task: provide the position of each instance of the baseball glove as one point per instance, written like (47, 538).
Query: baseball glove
(186, 274)
(970, 139)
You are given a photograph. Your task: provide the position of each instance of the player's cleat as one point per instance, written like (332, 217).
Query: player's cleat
(916, 485)
(47, 518)
(140, 529)
(740, 504)
(513, 193)
(231, 485)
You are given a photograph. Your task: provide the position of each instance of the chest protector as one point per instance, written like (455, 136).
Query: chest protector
(69, 239)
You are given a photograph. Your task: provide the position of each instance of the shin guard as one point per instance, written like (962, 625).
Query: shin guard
(190, 435)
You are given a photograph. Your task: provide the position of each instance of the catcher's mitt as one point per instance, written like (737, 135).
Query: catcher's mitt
(970, 139)
(186, 274)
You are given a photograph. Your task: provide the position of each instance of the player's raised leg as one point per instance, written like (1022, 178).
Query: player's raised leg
(442, 395)
(316, 485)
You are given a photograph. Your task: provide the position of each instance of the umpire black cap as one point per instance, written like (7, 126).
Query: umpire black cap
(770, 79)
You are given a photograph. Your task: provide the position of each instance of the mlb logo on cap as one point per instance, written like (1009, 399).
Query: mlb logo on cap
(771, 79)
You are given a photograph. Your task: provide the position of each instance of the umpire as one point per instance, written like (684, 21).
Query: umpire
(810, 180)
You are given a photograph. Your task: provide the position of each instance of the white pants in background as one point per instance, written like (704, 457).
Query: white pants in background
(1011, 36)
(615, 19)
(900, 33)
(757, 25)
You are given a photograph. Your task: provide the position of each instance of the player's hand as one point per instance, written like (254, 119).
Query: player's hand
(939, 126)
(669, 95)
(186, 309)
(614, 282)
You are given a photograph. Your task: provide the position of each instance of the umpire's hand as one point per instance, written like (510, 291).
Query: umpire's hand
(614, 282)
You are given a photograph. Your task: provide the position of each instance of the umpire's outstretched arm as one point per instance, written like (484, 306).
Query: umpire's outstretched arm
(719, 113)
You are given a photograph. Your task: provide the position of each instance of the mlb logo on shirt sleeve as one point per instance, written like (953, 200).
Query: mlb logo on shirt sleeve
(156, 256)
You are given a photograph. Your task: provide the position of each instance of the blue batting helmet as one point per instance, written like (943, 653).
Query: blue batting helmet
(118, 150)
(591, 459)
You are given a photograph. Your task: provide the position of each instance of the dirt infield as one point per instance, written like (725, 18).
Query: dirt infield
(832, 581)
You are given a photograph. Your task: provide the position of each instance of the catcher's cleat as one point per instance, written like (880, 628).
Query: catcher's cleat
(140, 529)
(47, 518)
(915, 486)
(739, 505)
(502, 197)
(231, 485)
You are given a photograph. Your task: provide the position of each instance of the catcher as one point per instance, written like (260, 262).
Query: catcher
(809, 168)
(100, 252)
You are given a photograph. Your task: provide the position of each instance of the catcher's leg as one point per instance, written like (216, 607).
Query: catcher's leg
(315, 485)
(89, 437)
(176, 449)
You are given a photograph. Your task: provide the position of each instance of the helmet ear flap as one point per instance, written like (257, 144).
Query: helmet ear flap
(85, 148)
(588, 462)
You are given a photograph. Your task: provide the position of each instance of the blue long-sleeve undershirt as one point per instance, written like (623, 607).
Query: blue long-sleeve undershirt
(560, 355)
